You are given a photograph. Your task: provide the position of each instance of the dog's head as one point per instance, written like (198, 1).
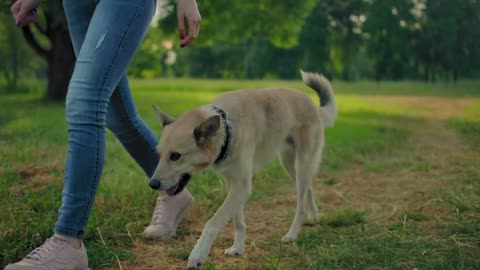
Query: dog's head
(188, 144)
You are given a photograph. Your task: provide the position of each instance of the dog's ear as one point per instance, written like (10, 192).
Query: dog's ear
(203, 132)
(164, 118)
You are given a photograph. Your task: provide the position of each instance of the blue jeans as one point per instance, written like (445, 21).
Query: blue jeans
(105, 36)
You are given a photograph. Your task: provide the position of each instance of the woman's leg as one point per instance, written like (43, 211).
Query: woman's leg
(115, 31)
(124, 121)
(105, 36)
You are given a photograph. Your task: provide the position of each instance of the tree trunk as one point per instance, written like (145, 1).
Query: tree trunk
(346, 63)
(426, 74)
(11, 71)
(59, 55)
(347, 59)
(61, 61)
(246, 59)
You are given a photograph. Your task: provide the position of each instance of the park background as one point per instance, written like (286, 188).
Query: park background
(399, 186)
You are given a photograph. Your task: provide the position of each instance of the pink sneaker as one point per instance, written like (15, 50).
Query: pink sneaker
(55, 254)
(167, 215)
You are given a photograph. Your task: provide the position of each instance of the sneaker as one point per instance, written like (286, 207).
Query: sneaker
(55, 253)
(167, 215)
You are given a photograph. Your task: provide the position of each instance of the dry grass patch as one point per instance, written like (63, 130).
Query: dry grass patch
(36, 178)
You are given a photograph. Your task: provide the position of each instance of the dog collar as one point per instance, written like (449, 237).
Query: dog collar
(227, 122)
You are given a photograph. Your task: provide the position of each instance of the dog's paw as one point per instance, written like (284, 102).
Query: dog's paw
(233, 251)
(312, 218)
(195, 260)
(289, 238)
(193, 264)
(194, 267)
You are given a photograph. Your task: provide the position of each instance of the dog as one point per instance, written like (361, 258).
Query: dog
(238, 134)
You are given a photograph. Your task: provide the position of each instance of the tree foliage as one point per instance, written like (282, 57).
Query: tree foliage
(348, 39)
(390, 27)
(449, 37)
(235, 22)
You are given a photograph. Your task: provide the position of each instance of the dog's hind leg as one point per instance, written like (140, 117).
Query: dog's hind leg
(307, 158)
(311, 207)
(240, 235)
(288, 162)
(303, 179)
(310, 204)
(288, 158)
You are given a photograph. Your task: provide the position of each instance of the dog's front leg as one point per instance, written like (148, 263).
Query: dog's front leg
(237, 196)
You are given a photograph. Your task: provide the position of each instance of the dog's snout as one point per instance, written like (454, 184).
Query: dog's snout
(155, 184)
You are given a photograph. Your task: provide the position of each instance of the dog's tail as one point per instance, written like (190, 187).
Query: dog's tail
(328, 106)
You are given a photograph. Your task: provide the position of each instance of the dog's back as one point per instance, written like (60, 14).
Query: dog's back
(266, 119)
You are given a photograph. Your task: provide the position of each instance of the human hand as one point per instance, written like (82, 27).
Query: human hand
(25, 11)
(188, 10)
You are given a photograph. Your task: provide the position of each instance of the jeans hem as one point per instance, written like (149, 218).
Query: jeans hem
(68, 232)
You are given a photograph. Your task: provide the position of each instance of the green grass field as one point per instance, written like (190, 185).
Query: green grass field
(399, 185)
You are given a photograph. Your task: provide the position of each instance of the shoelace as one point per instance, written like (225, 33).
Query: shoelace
(42, 251)
(159, 214)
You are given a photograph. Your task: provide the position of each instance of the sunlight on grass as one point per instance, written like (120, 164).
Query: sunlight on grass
(33, 136)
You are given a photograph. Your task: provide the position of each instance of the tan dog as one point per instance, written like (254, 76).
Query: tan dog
(238, 134)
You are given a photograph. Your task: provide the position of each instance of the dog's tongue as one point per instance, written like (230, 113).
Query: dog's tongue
(171, 191)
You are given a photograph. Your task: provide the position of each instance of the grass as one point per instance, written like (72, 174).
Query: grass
(362, 248)
(330, 181)
(372, 156)
(342, 217)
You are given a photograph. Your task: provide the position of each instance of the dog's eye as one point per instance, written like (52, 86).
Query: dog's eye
(175, 156)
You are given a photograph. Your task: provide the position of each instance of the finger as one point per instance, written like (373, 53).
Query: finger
(193, 27)
(181, 26)
(198, 30)
(187, 40)
(21, 16)
(195, 23)
(15, 8)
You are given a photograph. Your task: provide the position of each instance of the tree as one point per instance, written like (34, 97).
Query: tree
(246, 25)
(50, 39)
(390, 25)
(346, 19)
(315, 41)
(10, 53)
(448, 41)
(235, 21)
